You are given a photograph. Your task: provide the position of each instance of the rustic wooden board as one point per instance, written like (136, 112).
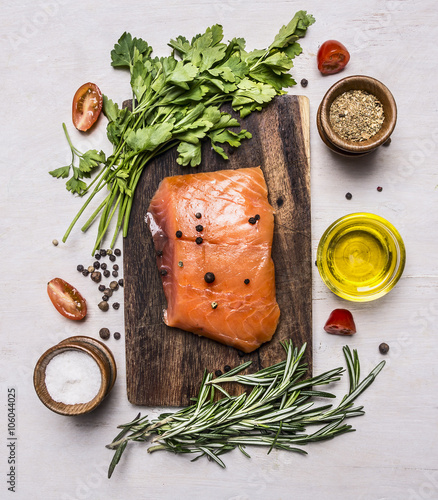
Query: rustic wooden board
(165, 365)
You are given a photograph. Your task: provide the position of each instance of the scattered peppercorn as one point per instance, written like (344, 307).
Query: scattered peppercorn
(199, 228)
(115, 274)
(96, 276)
(218, 373)
(348, 196)
(80, 268)
(96, 265)
(112, 258)
(178, 234)
(106, 273)
(180, 263)
(116, 305)
(246, 281)
(240, 354)
(304, 82)
(257, 217)
(117, 335)
(379, 189)
(90, 269)
(97, 256)
(55, 243)
(85, 272)
(105, 298)
(103, 306)
(227, 368)
(117, 252)
(103, 266)
(160, 253)
(109, 251)
(209, 277)
(383, 348)
(108, 292)
(116, 267)
(388, 142)
(114, 285)
(104, 333)
(214, 305)
(102, 252)
(163, 272)
(199, 240)
(252, 220)
(121, 282)
(198, 215)
(101, 288)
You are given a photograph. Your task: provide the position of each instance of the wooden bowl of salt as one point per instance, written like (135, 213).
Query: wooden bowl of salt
(74, 376)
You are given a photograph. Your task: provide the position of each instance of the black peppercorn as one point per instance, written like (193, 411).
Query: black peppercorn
(199, 240)
(163, 272)
(103, 306)
(103, 266)
(383, 348)
(218, 373)
(209, 277)
(304, 82)
(252, 220)
(115, 274)
(105, 298)
(101, 288)
(115, 267)
(112, 258)
(199, 228)
(227, 368)
(85, 272)
(198, 215)
(178, 234)
(106, 273)
(246, 281)
(80, 268)
(121, 282)
(117, 335)
(257, 217)
(104, 333)
(96, 276)
(102, 252)
(96, 265)
(348, 196)
(116, 305)
(97, 256)
(118, 252)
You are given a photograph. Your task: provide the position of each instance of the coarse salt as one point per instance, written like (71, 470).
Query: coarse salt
(73, 377)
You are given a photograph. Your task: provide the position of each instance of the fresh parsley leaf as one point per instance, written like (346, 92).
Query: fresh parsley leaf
(291, 32)
(189, 154)
(61, 172)
(148, 138)
(124, 50)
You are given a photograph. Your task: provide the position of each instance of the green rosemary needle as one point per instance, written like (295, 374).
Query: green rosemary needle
(275, 413)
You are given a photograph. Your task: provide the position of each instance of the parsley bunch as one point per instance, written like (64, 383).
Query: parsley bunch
(176, 101)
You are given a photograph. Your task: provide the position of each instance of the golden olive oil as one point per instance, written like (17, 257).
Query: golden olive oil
(360, 257)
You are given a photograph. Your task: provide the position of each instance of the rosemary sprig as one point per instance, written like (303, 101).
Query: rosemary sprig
(275, 413)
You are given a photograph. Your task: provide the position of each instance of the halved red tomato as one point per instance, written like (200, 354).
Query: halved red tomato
(332, 57)
(87, 105)
(67, 300)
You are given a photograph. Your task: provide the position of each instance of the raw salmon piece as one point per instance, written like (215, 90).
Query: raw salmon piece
(231, 248)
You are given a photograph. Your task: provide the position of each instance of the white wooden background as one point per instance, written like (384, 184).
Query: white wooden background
(49, 48)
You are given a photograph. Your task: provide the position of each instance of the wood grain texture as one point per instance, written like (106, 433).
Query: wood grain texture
(165, 365)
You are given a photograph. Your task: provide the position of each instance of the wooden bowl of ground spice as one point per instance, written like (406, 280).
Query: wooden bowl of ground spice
(356, 116)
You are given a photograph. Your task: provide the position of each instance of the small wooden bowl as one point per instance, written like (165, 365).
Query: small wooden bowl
(101, 355)
(354, 148)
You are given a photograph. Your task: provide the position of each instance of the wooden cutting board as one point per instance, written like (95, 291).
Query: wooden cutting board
(165, 365)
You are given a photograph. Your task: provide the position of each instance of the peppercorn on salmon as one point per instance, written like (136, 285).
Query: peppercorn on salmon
(213, 237)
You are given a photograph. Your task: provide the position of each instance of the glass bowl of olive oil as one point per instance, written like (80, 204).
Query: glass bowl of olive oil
(361, 257)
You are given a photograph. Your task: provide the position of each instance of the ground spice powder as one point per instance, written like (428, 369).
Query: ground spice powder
(356, 115)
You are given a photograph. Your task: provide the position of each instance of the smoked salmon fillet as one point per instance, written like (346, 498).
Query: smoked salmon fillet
(213, 235)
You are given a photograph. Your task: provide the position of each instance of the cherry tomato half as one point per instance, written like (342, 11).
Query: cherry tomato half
(67, 300)
(332, 57)
(87, 105)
